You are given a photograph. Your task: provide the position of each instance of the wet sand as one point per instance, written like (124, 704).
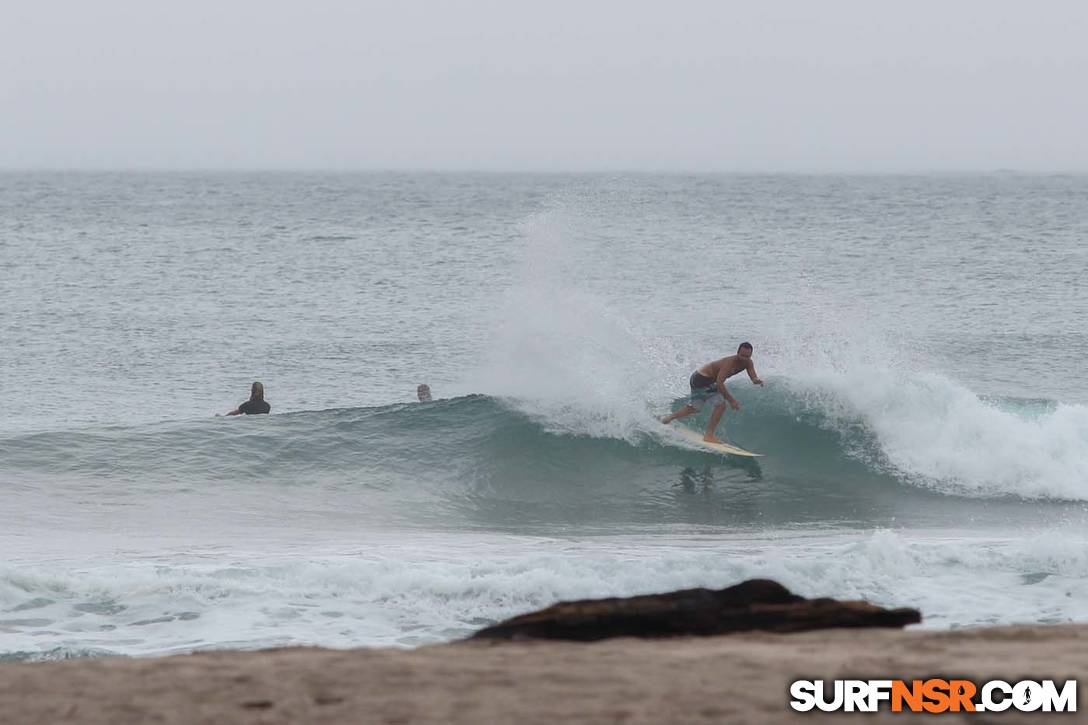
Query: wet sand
(734, 679)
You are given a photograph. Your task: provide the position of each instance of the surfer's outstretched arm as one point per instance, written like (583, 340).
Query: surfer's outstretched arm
(751, 366)
(235, 412)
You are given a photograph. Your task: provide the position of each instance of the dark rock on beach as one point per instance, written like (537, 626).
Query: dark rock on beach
(756, 604)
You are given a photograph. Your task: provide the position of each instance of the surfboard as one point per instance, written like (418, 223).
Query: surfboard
(697, 439)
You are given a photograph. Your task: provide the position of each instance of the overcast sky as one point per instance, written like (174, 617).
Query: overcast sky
(551, 85)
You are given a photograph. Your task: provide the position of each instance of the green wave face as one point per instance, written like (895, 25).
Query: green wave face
(478, 461)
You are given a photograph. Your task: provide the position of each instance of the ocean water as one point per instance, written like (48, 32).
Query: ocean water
(924, 419)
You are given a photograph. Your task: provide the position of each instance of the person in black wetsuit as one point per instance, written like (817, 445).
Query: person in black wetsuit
(708, 386)
(256, 403)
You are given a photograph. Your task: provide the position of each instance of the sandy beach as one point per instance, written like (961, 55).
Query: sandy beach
(741, 678)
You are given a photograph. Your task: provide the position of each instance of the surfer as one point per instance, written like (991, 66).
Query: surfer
(423, 392)
(708, 386)
(256, 403)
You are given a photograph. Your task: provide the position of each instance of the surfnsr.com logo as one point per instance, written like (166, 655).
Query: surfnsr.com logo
(933, 696)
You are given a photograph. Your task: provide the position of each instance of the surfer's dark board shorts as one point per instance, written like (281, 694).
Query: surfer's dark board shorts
(703, 390)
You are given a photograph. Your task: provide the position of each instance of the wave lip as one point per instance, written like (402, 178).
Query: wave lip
(932, 432)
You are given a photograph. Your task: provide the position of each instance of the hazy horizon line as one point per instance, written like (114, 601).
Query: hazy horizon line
(537, 171)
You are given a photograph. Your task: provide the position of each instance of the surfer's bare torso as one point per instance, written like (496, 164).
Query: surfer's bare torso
(731, 365)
